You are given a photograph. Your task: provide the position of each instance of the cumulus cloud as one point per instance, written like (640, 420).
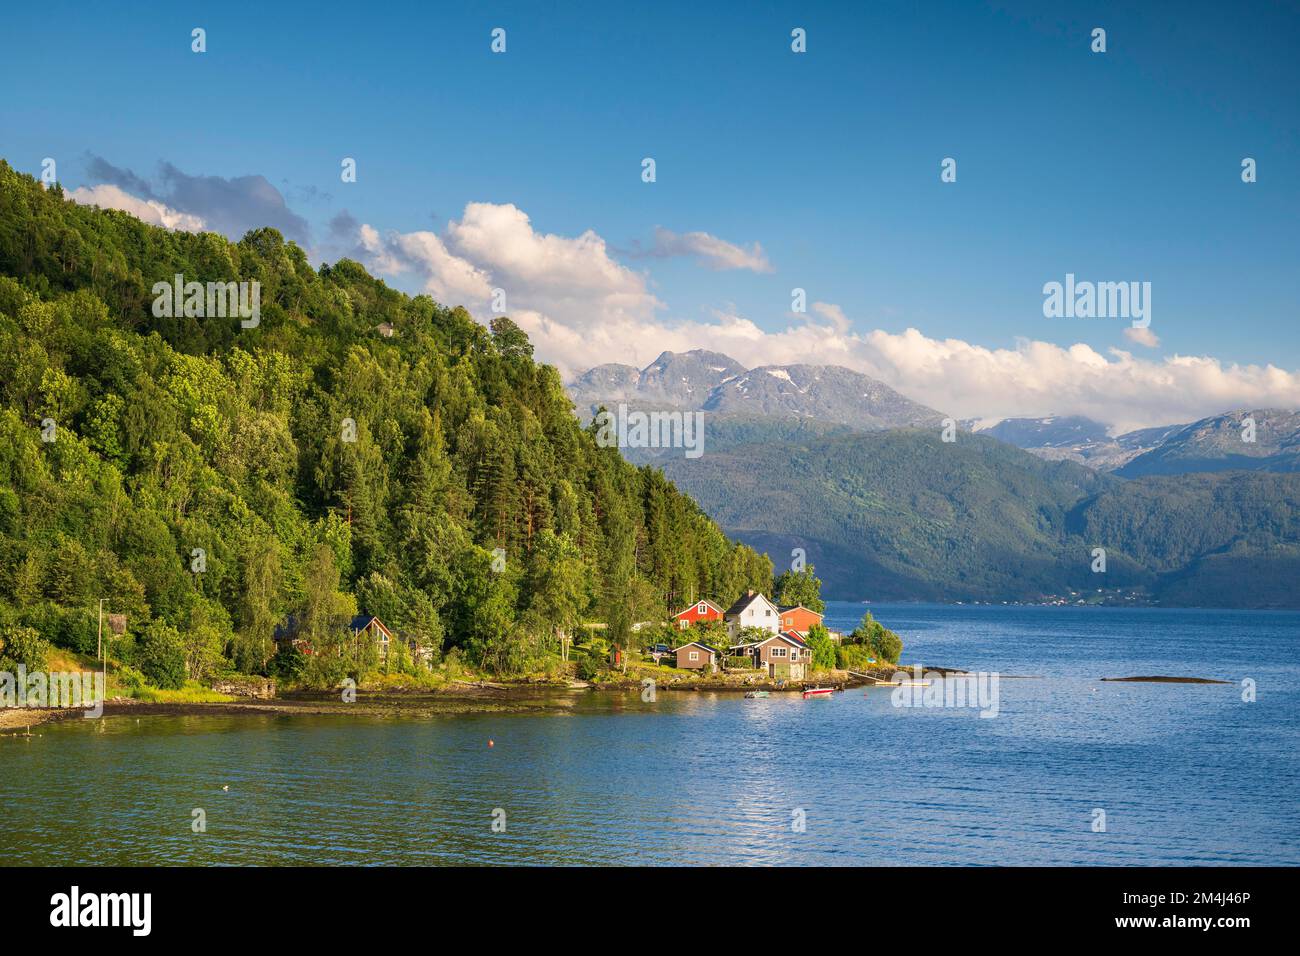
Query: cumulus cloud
(228, 205)
(834, 315)
(445, 276)
(107, 196)
(581, 307)
(556, 287)
(1141, 336)
(709, 251)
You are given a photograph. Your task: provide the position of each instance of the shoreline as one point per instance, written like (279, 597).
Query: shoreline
(465, 699)
(468, 699)
(460, 699)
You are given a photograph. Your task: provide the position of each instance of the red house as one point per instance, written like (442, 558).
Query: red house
(799, 619)
(697, 613)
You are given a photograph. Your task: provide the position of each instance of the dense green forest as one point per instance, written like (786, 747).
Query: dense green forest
(902, 515)
(211, 481)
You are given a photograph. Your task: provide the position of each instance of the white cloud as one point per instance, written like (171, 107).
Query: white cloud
(833, 314)
(108, 196)
(565, 291)
(1141, 336)
(1030, 379)
(445, 276)
(582, 308)
(710, 251)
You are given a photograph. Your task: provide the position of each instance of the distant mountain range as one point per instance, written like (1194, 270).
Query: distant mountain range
(1209, 445)
(841, 465)
(792, 402)
(827, 395)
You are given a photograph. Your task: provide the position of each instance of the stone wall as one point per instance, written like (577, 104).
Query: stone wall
(262, 688)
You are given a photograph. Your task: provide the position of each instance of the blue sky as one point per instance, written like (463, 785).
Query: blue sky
(1116, 166)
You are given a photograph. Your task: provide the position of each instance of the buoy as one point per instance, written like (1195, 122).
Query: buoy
(491, 743)
(226, 787)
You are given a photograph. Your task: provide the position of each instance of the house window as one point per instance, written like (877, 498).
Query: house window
(768, 612)
(685, 624)
(702, 608)
(778, 652)
(694, 655)
(794, 655)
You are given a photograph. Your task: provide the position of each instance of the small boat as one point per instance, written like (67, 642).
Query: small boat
(818, 692)
(756, 694)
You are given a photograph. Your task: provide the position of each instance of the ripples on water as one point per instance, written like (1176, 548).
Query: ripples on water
(1186, 773)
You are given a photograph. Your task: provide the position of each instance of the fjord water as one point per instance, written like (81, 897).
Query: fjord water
(1186, 773)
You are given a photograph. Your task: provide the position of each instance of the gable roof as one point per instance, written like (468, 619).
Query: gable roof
(362, 621)
(711, 650)
(693, 605)
(739, 607)
(789, 637)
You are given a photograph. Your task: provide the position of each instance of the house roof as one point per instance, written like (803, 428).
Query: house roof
(362, 621)
(285, 629)
(789, 637)
(694, 604)
(796, 637)
(711, 650)
(744, 602)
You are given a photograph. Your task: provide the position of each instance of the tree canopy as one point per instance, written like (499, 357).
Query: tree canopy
(210, 480)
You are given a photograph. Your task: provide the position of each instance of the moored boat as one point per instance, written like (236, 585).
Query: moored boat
(817, 692)
(756, 694)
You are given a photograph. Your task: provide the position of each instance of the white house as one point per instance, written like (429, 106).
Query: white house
(753, 610)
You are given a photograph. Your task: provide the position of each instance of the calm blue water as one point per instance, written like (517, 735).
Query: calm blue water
(1186, 774)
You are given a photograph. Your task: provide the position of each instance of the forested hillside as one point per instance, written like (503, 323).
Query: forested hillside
(209, 480)
(903, 515)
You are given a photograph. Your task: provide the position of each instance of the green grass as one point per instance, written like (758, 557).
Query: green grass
(192, 693)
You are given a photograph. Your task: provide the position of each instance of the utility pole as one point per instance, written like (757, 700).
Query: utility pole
(103, 648)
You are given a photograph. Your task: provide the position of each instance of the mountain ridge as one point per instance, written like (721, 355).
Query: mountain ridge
(700, 380)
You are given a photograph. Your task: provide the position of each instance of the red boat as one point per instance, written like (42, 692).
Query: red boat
(818, 692)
